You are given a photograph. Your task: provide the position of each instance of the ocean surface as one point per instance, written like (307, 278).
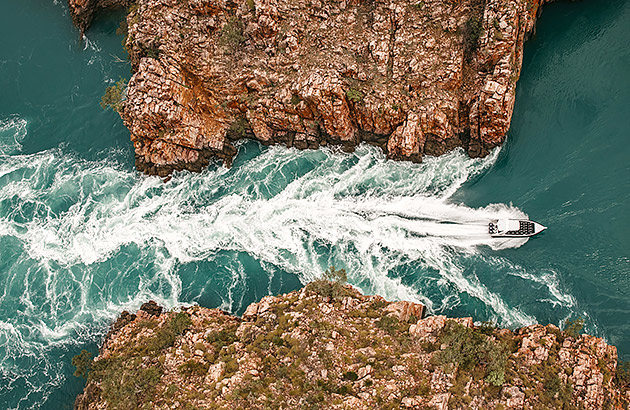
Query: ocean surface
(83, 236)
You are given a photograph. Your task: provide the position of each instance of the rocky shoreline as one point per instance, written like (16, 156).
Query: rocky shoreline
(327, 346)
(413, 77)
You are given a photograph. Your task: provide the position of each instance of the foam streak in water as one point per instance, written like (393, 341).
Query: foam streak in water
(12, 132)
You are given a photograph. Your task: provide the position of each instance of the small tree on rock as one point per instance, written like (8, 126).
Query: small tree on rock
(573, 328)
(336, 275)
(114, 96)
(331, 285)
(82, 362)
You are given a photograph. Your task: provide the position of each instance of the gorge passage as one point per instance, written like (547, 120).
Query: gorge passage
(83, 236)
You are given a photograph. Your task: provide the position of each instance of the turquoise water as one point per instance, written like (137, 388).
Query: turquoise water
(83, 236)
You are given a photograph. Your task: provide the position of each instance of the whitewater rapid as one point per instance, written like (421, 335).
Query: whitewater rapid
(83, 240)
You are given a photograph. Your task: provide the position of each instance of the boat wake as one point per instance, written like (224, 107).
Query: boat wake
(81, 241)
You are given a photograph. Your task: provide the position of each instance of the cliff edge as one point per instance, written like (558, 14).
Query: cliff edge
(414, 77)
(329, 347)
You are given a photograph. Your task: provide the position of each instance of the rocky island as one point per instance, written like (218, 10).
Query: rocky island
(413, 77)
(327, 346)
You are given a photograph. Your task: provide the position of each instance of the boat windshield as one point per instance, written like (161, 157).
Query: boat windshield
(506, 225)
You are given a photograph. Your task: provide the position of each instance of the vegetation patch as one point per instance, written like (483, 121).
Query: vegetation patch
(224, 337)
(331, 285)
(389, 324)
(351, 376)
(232, 34)
(127, 379)
(165, 336)
(115, 96)
(125, 384)
(238, 128)
(82, 363)
(469, 348)
(354, 95)
(193, 368)
(622, 376)
(573, 328)
(472, 32)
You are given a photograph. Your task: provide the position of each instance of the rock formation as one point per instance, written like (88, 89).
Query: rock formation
(329, 347)
(414, 77)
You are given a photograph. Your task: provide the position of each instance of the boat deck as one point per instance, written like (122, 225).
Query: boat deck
(525, 228)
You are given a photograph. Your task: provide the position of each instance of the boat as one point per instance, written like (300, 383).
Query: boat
(514, 228)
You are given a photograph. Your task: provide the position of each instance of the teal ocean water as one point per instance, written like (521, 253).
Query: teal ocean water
(83, 236)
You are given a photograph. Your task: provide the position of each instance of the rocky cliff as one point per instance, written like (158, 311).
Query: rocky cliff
(329, 347)
(414, 77)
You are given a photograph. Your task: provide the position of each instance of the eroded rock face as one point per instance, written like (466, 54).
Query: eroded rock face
(330, 347)
(412, 77)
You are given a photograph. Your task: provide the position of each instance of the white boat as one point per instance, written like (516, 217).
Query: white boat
(514, 228)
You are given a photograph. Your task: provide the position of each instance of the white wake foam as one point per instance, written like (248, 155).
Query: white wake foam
(93, 238)
(367, 214)
(12, 132)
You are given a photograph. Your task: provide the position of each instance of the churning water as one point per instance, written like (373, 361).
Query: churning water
(83, 236)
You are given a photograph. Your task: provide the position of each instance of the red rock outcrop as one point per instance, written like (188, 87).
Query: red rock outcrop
(329, 347)
(414, 77)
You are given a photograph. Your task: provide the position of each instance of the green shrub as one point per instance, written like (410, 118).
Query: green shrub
(231, 366)
(333, 290)
(114, 96)
(125, 383)
(238, 128)
(622, 377)
(171, 390)
(224, 337)
(82, 363)
(552, 384)
(379, 304)
(336, 275)
(389, 324)
(193, 368)
(557, 332)
(332, 284)
(419, 5)
(165, 336)
(354, 95)
(496, 377)
(469, 348)
(487, 328)
(345, 390)
(128, 379)
(123, 30)
(232, 34)
(152, 51)
(277, 340)
(295, 99)
(351, 376)
(573, 328)
(472, 33)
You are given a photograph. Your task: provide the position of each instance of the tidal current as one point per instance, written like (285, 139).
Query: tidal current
(83, 236)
